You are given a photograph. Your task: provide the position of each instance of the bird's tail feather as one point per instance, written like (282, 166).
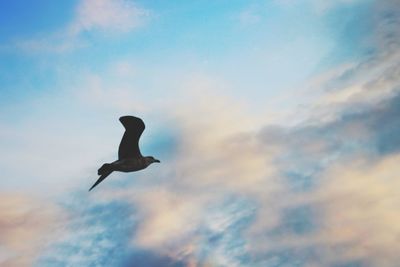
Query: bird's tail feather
(101, 178)
(104, 169)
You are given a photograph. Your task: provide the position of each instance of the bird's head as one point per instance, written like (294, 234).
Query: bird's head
(150, 159)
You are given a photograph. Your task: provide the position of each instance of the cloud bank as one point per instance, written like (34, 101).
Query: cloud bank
(321, 192)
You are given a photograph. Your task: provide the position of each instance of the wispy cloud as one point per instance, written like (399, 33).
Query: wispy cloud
(60, 42)
(320, 7)
(250, 16)
(107, 17)
(27, 224)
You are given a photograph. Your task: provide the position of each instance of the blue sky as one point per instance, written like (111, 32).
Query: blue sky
(275, 122)
(235, 40)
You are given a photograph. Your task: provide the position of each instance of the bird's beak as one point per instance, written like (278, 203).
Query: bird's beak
(156, 160)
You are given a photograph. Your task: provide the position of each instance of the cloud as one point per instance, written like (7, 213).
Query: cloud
(95, 234)
(319, 7)
(249, 16)
(323, 7)
(333, 172)
(321, 192)
(358, 202)
(98, 233)
(317, 193)
(339, 164)
(106, 17)
(305, 184)
(27, 224)
(54, 43)
(308, 184)
(363, 81)
(111, 93)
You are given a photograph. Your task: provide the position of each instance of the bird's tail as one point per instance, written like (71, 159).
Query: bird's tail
(101, 178)
(104, 171)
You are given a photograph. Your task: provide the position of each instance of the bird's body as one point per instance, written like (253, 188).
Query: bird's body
(129, 157)
(130, 165)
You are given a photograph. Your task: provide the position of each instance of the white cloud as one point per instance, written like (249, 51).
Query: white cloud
(108, 15)
(319, 7)
(358, 202)
(322, 7)
(53, 43)
(354, 215)
(250, 16)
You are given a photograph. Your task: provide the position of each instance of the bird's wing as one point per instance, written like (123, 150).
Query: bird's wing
(129, 146)
(101, 178)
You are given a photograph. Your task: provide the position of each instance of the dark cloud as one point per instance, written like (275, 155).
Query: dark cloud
(351, 24)
(307, 148)
(96, 234)
(144, 258)
(298, 220)
(100, 234)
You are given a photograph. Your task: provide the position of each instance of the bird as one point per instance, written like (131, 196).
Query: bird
(129, 157)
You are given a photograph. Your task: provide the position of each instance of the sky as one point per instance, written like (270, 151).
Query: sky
(276, 123)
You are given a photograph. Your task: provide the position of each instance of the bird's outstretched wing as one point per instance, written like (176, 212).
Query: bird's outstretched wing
(101, 178)
(129, 146)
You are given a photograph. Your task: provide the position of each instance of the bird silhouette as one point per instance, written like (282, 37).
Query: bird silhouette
(129, 157)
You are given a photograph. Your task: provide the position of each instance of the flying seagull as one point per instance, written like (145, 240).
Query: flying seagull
(129, 157)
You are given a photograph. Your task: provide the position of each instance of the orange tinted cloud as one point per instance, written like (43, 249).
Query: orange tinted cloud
(26, 225)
